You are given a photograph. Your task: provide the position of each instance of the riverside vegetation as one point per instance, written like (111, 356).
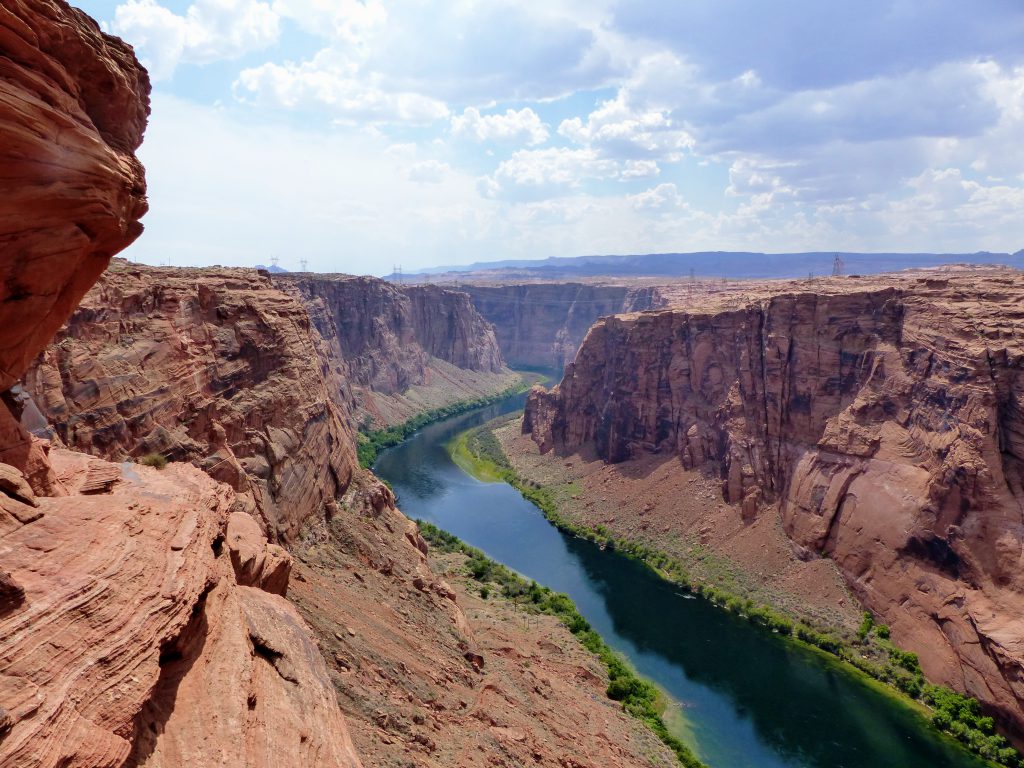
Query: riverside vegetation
(370, 442)
(870, 652)
(639, 697)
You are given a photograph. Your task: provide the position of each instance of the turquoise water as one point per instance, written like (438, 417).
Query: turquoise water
(745, 697)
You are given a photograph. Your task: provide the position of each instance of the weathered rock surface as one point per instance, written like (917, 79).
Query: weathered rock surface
(132, 637)
(73, 107)
(884, 425)
(119, 606)
(213, 366)
(405, 349)
(543, 324)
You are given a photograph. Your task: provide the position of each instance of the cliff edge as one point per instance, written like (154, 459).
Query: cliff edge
(882, 423)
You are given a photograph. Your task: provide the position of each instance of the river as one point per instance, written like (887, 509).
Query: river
(743, 697)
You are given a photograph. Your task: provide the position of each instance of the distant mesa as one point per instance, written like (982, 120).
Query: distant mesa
(731, 264)
(272, 268)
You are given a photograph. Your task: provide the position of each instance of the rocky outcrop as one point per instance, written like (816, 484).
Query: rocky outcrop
(213, 366)
(132, 632)
(883, 425)
(133, 642)
(542, 324)
(73, 107)
(405, 349)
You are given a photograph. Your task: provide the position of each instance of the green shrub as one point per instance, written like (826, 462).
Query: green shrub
(156, 460)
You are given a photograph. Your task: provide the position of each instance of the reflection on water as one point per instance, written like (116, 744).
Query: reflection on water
(747, 698)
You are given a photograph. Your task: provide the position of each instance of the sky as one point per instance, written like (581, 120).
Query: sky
(359, 135)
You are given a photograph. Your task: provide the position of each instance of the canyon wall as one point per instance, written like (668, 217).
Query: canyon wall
(884, 426)
(142, 620)
(541, 325)
(405, 349)
(213, 366)
(73, 107)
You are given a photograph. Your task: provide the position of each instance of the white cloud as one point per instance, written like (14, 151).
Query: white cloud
(348, 21)
(621, 130)
(333, 83)
(640, 169)
(664, 197)
(535, 173)
(429, 172)
(521, 126)
(209, 30)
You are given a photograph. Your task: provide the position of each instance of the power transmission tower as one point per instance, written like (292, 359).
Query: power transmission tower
(837, 266)
(398, 272)
(274, 260)
(302, 264)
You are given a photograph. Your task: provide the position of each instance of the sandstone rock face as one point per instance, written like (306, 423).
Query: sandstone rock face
(213, 366)
(73, 107)
(543, 324)
(884, 426)
(133, 638)
(404, 349)
(387, 334)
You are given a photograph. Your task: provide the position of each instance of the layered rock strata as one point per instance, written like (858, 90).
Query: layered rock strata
(405, 349)
(884, 426)
(141, 620)
(541, 325)
(213, 366)
(73, 107)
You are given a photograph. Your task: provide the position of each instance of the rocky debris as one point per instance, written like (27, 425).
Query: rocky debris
(879, 419)
(213, 366)
(73, 108)
(543, 324)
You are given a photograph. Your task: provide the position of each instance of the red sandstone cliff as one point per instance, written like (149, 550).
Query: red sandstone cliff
(543, 324)
(73, 106)
(885, 426)
(213, 366)
(141, 620)
(405, 349)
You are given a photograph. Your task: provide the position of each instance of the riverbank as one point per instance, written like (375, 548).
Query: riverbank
(864, 648)
(370, 442)
(638, 697)
(431, 674)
